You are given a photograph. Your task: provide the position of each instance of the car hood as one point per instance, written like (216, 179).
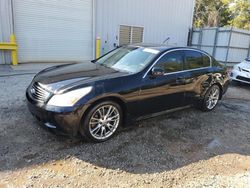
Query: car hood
(245, 65)
(67, 76)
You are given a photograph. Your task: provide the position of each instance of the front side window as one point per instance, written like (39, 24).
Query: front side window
(194, 60)
(171, 62)
(128, 59)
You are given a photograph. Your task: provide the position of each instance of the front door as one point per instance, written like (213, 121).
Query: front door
(164, 92)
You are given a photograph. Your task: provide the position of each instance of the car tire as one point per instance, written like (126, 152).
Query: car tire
(102, 122)
(211, 98)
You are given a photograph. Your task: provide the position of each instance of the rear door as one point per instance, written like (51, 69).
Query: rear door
(198, 74)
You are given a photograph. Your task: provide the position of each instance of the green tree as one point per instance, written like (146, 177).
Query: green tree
(241, 14)
(219, 13)
(212, 13)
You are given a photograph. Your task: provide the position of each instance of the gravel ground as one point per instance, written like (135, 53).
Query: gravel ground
(188, 148)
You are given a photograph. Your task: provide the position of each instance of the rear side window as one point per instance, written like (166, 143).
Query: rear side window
(172, 62)
(194, 60)
(206, 61)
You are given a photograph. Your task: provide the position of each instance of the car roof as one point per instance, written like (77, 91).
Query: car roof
(162, 47)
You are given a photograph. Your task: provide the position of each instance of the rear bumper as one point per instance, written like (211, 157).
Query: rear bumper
(58, 120)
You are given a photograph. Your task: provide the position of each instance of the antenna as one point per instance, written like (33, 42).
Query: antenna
(167, 39)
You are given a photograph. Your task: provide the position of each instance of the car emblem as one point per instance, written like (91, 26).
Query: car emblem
(33, 91)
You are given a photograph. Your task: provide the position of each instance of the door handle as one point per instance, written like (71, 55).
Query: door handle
(180, 80)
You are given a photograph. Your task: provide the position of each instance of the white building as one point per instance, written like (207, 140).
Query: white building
(66, 30)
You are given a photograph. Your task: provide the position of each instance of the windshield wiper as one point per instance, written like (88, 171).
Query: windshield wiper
(121, 70)
(104, 65)
(93, 61)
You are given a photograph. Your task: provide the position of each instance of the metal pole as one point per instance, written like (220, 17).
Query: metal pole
(215, 41)
(190, 37)
(98, 48)
(94, 28)
(200, 38)
(14, 51)
(12, 15)
(248, 53)
(229, 42)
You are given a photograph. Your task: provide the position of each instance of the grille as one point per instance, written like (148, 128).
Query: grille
(39, 93)
(243, 78)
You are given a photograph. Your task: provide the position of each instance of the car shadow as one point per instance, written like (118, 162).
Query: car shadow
(240, 85)
(160, 144)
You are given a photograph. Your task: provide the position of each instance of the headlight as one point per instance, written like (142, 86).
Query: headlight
(237, 68)
(70, 98)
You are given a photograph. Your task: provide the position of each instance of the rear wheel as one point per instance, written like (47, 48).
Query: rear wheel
(102, 121)
(211, 98)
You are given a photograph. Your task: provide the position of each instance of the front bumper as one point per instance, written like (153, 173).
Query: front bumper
(241, 76)
(61, 120)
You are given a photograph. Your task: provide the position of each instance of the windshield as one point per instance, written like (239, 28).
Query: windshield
(128, 59)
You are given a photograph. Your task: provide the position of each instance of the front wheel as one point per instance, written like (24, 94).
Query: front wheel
(102, 121)
(211, 98)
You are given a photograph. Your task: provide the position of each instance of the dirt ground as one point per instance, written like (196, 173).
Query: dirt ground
(188, 148)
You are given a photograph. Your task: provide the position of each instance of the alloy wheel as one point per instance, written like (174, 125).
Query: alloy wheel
(104, 122)
(213, 98)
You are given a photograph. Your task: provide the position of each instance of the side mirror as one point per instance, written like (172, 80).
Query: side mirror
(157, 71)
